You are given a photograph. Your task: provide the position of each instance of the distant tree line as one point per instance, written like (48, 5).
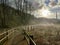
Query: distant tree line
(3, 13)
(8, 14)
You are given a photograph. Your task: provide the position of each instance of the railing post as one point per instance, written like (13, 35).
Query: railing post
(31, 43)
(29, 39)
(31, 36)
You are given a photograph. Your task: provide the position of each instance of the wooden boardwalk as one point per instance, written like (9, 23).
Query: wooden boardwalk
(14, 37)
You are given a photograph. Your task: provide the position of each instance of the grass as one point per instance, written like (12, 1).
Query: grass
(46, 34)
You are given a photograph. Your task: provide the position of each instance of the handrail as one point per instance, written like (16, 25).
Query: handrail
(5, 37)
(2, 35)
(31, 41)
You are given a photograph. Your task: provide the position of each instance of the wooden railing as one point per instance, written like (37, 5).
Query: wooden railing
(29, 39)
(4, 36)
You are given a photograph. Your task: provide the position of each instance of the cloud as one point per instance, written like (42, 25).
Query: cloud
(51, 3)
(55, 9)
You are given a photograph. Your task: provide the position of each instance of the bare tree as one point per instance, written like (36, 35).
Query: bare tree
(30, 7)
(22, 6)
(56, 15)
(3, 13)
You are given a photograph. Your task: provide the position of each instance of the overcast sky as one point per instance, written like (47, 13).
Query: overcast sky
(53, 5)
